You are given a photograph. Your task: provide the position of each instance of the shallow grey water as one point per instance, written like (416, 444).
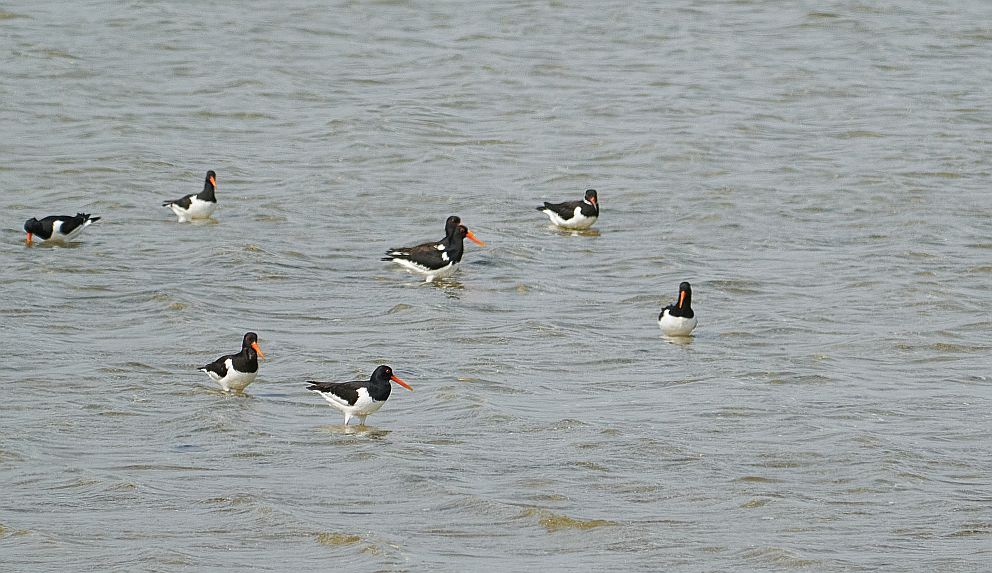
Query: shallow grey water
(819, 171)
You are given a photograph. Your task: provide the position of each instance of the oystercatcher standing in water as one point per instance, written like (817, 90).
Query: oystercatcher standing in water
(358, 399)
(574, 214)
(236, 371)
(58, 228)
(196, 205)
(438, 259)
(677, 319)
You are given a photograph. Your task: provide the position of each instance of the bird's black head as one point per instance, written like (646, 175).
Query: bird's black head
(451, 224)
(592, 197)
(384, 374)
(211, 180)
(33, 227)
(683, 306)
(685, 296)
(251, 341)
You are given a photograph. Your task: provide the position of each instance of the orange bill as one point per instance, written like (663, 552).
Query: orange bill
(29, 238)
(257, 349)
(401, 383)
(681, 298)
(212, 182)
(475, 239)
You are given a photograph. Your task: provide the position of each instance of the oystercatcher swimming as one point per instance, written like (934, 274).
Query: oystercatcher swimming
(438, 259)
(358, 398)
(196, 205)
(574, 214)
(677, 319)
(58, 228)
(236, 371)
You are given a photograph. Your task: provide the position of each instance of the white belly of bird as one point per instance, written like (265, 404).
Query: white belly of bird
(432, 274)
(236, 381)
(578, 220)
(676, 325)
(198, 209)
(362, 407)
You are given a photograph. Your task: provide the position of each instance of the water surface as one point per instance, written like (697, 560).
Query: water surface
(818, 171)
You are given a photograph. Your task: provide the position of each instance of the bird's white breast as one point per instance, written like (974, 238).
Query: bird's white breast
(578, 220)
(676, 325)
(198, 209)
(363, 406)
(431, 273)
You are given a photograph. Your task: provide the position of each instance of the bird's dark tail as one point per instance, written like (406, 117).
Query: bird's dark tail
(393, 253)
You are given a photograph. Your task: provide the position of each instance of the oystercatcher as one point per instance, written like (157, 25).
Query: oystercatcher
(58, 228)
(574, 214)
(236, 371)
(358, 398)
(677, 319)
(435, 259)
(196, 205)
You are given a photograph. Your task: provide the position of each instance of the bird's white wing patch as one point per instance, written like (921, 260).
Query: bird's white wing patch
(364, 402)
(334, 400)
